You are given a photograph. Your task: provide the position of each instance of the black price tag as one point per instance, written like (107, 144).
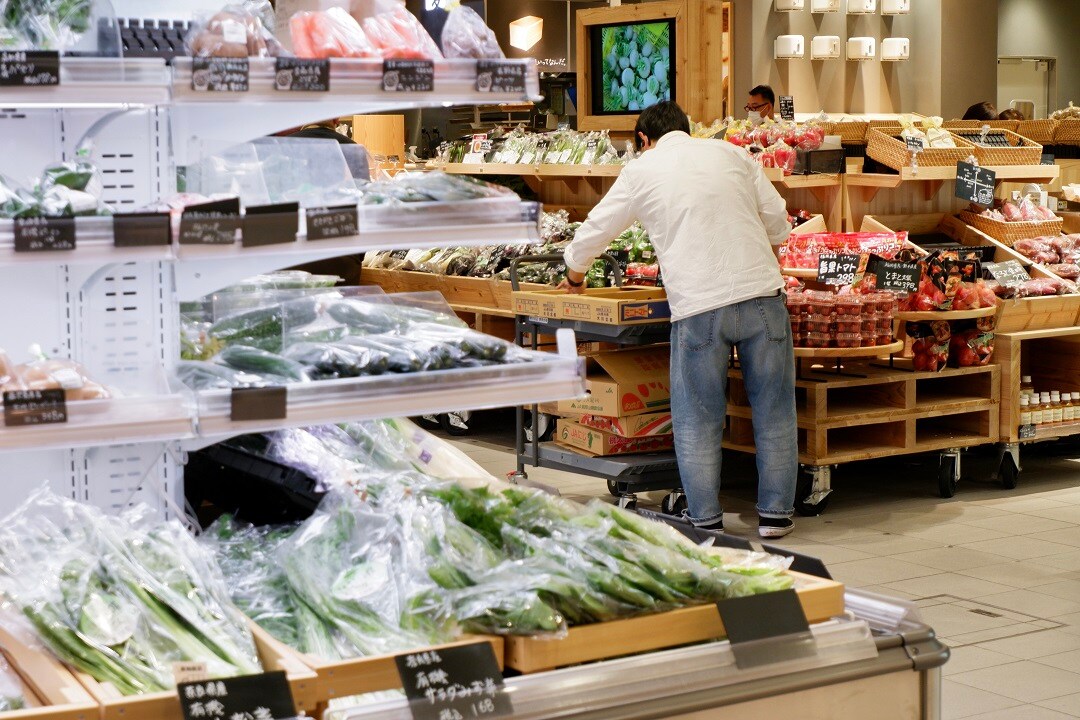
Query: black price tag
(44, 234)
(217, 74)
(325, 223)
(141, 229)
(752, 622)
(259, 403)
(301, 75)
(1009, 273)
(249, 697)
(787, 107)
(837, 269)
(975, 184)
(29, 68)
(454, 683)
(408, 76)
(1027, 432)
(34, 407)
(915, 144)
(500, 76)
(212, 223)
(271, 224)
(897, 276)
(1047, 159)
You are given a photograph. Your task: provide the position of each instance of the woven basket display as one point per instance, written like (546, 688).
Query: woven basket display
(893, 152)
(1067, 132)
(852, 132)
(1040, 131)
(1009, 232)
(1015, 149)
(977, 124)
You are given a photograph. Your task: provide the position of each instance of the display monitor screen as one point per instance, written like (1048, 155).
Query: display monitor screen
(631, 66)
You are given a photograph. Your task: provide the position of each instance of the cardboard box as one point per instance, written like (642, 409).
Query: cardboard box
(597, 442)
(606, 306)
(633, 426)
(624, 383)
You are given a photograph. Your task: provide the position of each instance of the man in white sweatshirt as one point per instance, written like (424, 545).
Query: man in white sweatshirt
(716, 224)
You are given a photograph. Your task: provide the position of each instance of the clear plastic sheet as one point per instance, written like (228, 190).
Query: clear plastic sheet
(238, 30)
(466, 35)
(11, 695)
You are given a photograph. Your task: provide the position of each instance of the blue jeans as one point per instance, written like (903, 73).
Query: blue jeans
(700, 350)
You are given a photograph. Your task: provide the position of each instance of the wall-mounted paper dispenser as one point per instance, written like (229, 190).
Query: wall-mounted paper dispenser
(824, 47)
(861, 48)
(789, 46)
(895, 49)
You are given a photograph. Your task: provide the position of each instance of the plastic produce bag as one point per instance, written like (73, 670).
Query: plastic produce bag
(11, 696)
(466, 35)
(236, 31)
(972, 342)
(44, 24)
(930, 344)
(329, 33)
(43, 373)
(398, 34)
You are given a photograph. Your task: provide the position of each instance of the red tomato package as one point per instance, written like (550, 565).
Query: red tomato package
(929, 344)
(972, 342)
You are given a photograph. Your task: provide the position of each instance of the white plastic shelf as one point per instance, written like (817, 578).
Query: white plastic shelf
(98, 82)
(549, 377)
(108, 422)
(94, 245)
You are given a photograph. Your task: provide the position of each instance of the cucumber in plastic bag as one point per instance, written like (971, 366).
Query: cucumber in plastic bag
(254, 360)
(339, 360)
(363, 316)
(202, 375)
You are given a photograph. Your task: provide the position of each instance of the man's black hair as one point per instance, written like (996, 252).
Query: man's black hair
(766, 92)
(660, 119)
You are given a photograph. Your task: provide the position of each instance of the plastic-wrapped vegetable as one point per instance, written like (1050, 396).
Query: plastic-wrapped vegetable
(43, 373)
(118, 597)
(329, 33)
(398, 34)
(254, 360)
(237, 30)
(11, 695)
(203, 375)
(44, 24)
(338, 360)
(466, 35)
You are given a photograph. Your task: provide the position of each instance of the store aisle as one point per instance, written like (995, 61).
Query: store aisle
(996, 573)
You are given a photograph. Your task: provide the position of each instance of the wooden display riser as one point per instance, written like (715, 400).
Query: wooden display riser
(1052, 359)
(887, 411)
(821, 600)
(50, 690)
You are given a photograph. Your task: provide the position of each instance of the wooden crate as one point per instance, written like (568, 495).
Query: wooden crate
(875, 411)
(343, 678)
(166, 705)
(945, 224)
(816, 224)
(1038, 313)
(50, 690)
(1052, 358)
(479, 293)
(821, 600)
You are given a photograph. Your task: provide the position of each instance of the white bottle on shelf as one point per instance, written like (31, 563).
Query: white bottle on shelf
(1026, 386)
(1055, 406)
(1025, 411)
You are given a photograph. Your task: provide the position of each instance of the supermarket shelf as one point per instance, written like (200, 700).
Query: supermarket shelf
(526, 170)
(97, 82)
(1053, 432)
(1034, 173)
(805, 273)
(94, 246)
(875, 351)
(931, 315)
(549, 377)
(107, 422)
(795, 182)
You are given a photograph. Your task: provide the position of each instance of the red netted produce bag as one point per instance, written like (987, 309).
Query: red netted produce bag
(929, 344)
(972, 342)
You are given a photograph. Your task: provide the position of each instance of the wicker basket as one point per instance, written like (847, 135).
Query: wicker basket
(888, 150)
(1021, 151)
(1067, 132)
(977, 124)
(1040, 131)
(851, 132)
(1009, 232)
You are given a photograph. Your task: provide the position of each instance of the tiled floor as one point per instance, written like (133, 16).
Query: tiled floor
(996, 573)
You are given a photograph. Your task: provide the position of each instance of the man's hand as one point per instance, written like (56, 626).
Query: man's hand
(574, 282)
(567, 287)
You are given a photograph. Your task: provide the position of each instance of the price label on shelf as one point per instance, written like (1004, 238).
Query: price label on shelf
(408, 76)
(29, 68)
(455, 682)
(218, 74)
(212, 223)
(1047, 159)
(915, 144)
(975, 184)
(838, 268)
(264, 696)
(259, 403)
(767, 628)
(787, 107)
(326, 223)
(141, 229)
(500, 76)
(1027, 432)
(271, 224)
(34, 407)
(44, 234)
(301, 75)
(1009, 273)
(897, 276)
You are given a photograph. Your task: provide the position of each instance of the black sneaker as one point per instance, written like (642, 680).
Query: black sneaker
(716, 525)
(775, 527)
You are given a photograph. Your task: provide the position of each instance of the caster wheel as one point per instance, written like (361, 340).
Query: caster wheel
(455, 423)
(628, 503)
(545, 424)
(803, 489)
(947, 478)
(1008, 473)
(613, 488)
(429, 422)
(673, 504)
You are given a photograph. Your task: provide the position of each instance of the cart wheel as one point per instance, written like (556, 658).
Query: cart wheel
(545, 424)
(674, 503)
(803, 488)
(429, 422)
(1008, 473)
(947, 477)
(613, 488)
(456, 423)
(628, 502)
